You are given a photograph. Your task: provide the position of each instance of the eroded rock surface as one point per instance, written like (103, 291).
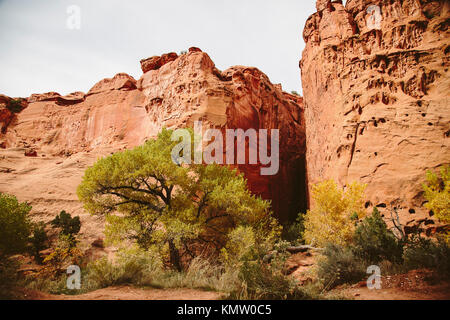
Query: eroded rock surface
(120, 113)
(377, 97)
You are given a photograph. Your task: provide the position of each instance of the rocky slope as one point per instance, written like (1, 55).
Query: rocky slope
(62, 135)
(376, 87)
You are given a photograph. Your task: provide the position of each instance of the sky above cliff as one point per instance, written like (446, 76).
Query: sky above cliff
(43, 50)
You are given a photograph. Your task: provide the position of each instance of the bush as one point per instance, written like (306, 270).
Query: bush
(38, 241)
(340, 265)
(133, 266)
(15, 106)
(426, 253)
(8, 278)
(374, 242)
(260, 281)
(332, 217)
(241, 242)
(437, 192)
(65, 253)
(295, 232)
(69, 226)
(15, 226)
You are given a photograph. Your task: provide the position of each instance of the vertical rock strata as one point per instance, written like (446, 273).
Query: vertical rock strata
(376, 87)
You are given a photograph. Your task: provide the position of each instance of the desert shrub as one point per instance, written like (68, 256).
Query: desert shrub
(15, 106)
(332, 217)
(133, 266)
(15, 225)
(373, 242)
(201, 274)
(437, 192)
(8, 278)
(51, 285)
(262, 279)
(64, 253)
(340, 265)
(428, 253)
(69, 226)
(294, 232)
(38, 241)
(152, 200)
(241, 242)
(259, 281)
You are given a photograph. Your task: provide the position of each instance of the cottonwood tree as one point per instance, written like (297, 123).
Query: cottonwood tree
(150, 199)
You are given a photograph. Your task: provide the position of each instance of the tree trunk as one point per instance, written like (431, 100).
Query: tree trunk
(174, 256)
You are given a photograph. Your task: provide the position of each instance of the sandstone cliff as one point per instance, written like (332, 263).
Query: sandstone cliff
(67, 133)
(376, 87)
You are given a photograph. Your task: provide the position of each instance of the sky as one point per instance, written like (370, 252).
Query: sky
(42, 49)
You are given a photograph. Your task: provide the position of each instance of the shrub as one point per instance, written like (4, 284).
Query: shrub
(38, 241)
(260, 281)
(340, 265)
(64, 254)
(374, 242)
(240, 244)
(426, 253)
(331, 219)
(15, 106)
(8, 278)
(437, 192)
(15, 226)
(69, 226)
(295, 232)
(133, 266)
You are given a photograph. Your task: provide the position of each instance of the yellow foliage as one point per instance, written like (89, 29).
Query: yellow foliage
(437, 192)
(241, 241)
(331, 220)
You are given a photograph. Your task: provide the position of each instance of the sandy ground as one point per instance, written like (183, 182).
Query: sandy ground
(128, 293)
(415, 285)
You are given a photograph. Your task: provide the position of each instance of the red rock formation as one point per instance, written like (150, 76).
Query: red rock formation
(8, 108)
(377, 96)
(173, 92)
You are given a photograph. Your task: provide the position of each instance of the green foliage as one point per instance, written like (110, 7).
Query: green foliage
(426, 253)
(260, 281)
(65, 253)
(8, 278)
(374, 242)
(15, 226)
(38, 241)
(331, 219)
(15, 106)
(69, 226)
(153, 201)
(294, 93)
(340, 265)
(241, 242)
(133, 266)
(294, 232)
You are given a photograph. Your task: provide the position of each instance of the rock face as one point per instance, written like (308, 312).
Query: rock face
(173, 92)
(376, 88)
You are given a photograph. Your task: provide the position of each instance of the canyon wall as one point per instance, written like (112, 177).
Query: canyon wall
(376, 89)
(121, 112)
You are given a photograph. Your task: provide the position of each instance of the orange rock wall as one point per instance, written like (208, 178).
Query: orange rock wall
(377, 97)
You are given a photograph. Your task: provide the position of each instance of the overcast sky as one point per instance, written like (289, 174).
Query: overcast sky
(39, 53)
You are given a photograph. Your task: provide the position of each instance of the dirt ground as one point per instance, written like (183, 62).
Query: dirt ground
(414, 285)
(128, 293)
